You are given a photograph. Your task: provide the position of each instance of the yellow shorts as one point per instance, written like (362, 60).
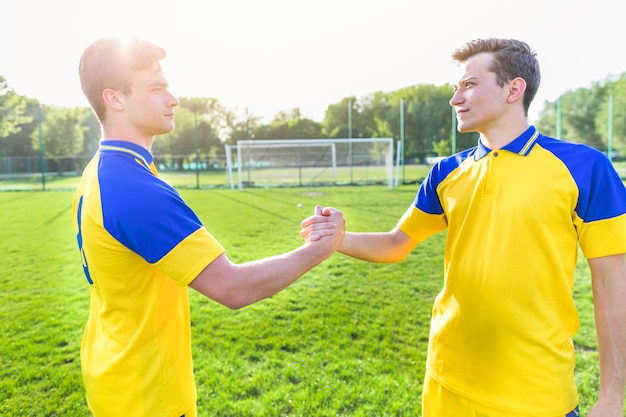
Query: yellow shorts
(438, 401)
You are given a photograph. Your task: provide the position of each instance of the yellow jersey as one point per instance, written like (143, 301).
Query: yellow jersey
(502, 325)
(140, 245)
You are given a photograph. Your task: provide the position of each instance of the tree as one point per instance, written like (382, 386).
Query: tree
(196, 119)
(428, 120)
(442, 148)
(92, 133)
(346, 119)
(243, 128)
(378, 113)
(616, 89)
(63, 136)
(288, 125)
(18, 143)
(580, 110)
(12, 108)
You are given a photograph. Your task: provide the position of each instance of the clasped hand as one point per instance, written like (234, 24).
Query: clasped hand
(325, 222)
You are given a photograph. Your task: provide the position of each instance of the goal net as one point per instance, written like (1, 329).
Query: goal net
(308, 162)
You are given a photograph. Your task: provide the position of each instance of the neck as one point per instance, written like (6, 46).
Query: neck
(501, 136)
(128, 135)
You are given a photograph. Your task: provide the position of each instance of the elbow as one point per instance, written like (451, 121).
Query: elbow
(397, 257)
(394, 257)
(234, 301)
(228, 297)
(234, 306)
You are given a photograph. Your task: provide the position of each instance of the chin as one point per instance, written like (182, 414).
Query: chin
(167, 129)
(464, 128)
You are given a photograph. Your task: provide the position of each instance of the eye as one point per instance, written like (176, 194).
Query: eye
(158, 87)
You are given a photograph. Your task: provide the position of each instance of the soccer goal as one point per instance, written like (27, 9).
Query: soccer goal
(308, 162)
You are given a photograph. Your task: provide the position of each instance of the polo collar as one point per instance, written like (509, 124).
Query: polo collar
(128, 147)
(522, 145)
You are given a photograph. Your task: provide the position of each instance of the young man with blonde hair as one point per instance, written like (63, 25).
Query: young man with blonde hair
(142, 246)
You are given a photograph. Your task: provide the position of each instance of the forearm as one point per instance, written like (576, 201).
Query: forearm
(238, 285)
(609, 289)
(257, 280)
(386, 247)
(612, 348)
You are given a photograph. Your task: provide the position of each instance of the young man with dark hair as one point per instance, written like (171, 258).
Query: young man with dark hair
(516, 208)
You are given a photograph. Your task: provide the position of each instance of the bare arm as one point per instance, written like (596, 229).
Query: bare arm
(609, 290)
(238, 285)
(392, 246)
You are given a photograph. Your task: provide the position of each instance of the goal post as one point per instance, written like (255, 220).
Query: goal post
(308, 162)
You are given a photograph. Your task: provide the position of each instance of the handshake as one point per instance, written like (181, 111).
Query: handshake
(326, 228)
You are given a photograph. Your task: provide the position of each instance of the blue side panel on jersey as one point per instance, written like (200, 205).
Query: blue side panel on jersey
(601, 192)
(79, 238)
(140, 210)
(427, 199)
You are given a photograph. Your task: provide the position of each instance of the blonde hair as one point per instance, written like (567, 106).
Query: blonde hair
(112, 62)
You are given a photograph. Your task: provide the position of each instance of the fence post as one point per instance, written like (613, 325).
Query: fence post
(42, 158)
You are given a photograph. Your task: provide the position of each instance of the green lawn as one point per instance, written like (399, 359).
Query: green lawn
(348, 339)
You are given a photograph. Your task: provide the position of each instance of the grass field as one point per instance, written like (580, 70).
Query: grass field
(348, 339)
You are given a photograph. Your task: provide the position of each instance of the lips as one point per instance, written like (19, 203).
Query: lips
(461, 112)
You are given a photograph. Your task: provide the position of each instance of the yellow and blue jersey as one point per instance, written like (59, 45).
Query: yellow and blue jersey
(502, 325)
(141, 245)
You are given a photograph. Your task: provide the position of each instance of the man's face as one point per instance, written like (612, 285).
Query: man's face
(478, 100)
(150, 105)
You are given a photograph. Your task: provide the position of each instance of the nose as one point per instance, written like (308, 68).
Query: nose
(456, 99)
(173, 101)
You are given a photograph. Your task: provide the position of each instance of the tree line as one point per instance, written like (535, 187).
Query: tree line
(420, 113)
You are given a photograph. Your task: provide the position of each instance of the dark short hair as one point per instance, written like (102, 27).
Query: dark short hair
(112, 62)
(511, 59)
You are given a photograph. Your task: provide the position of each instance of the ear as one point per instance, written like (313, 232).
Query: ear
(517, 87)
(113, 99)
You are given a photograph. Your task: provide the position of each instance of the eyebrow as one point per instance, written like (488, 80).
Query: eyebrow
(159, 84)
(464, 80)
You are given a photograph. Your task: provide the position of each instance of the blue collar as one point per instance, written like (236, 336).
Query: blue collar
(131, 148)
(521, 145)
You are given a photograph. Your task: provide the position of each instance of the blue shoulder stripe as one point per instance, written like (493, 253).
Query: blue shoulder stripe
(427, 198)
(602, 194)
(140, 210)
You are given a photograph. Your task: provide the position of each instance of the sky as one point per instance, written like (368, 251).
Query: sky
(266, 56)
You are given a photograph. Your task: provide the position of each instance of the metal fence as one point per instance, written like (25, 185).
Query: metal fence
(35, 173)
